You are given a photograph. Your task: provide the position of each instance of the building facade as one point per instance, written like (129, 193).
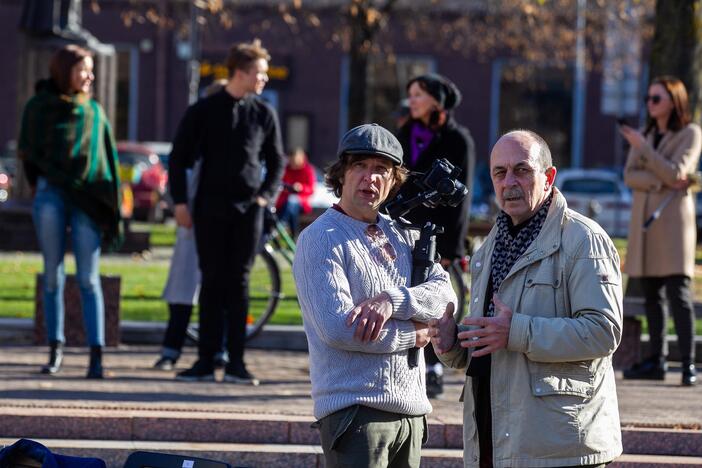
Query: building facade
(309, 78)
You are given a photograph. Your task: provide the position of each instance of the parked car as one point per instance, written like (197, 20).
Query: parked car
(161, 148)
(142, 168)
(598, 194)
(321, 198)
(5, 183)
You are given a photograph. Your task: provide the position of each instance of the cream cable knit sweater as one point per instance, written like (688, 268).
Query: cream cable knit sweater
(336, 267)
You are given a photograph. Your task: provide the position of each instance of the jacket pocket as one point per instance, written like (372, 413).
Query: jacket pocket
(542, 284)
(566, 378)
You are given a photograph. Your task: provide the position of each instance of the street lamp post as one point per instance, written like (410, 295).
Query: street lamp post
(194, 60)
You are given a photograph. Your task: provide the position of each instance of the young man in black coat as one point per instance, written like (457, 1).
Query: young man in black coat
(237, 135)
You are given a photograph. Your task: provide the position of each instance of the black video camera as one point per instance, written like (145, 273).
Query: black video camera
(438, 186)
(442, 177)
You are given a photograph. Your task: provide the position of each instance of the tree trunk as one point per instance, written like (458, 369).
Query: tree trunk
(366, 18)
(359, 48)
(677, 46)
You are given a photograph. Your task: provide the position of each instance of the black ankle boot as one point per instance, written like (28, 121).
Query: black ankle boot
(652, 368)
(55, 358)
(689, 373)
(95, 366)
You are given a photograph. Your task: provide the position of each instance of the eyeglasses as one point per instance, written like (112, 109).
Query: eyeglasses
(380, 241)
(654, 98)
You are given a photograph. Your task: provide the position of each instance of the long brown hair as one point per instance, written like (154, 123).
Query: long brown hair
(62, 62)
(680, 116)
(335, 174)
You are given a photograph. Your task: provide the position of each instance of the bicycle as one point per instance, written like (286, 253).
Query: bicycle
(265, 283)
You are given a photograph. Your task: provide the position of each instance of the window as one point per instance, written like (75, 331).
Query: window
(297, 133)
(539, 98)
(386, 85)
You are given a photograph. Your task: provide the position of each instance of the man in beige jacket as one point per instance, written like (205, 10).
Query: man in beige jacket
(546, 317)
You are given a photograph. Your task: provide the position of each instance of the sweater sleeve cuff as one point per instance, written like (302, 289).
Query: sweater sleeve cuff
(406, 335)
(399, 298)
(518, 333)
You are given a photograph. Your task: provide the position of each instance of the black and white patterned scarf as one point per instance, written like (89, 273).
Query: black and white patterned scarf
(508, 249)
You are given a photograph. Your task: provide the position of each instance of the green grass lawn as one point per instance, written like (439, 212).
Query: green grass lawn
(143, 278)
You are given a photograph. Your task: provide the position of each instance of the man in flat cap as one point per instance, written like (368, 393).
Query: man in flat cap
(353, 269)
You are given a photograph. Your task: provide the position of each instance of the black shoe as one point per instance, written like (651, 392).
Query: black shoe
(221, 360)
(200, 372)
(165, 364)
(689, 374)
(435, 384)
(652, 368)
(95, 366)
(55, 358)
(238, 374)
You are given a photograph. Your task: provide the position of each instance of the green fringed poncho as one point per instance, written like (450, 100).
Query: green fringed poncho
(68, 140)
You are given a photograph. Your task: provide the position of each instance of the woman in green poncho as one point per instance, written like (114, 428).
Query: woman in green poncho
(69, 156)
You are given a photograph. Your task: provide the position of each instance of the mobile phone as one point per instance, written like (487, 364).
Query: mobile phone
(622, 121)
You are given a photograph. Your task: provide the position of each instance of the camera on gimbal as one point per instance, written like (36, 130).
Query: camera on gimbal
(436, 187)
(442, 177)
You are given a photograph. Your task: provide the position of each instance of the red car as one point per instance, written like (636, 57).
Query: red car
(141, 167)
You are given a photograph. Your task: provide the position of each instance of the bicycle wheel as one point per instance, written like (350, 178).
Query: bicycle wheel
(459, 284)
(264, 294)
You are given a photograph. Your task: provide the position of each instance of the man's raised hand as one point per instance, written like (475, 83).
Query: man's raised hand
(443, 331)
(182, 215)
(493, 333)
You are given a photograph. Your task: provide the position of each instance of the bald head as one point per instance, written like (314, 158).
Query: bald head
(522, 173)
(537, 146)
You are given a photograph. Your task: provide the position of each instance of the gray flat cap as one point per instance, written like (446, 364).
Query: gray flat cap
(371, 139)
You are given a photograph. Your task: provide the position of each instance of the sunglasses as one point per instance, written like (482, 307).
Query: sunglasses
(654, 98)
(379, 240)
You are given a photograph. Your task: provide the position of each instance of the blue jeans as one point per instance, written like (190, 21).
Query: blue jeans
(53, 213)
(290, 213)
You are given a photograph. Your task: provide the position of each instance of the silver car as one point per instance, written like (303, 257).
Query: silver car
(598, 194)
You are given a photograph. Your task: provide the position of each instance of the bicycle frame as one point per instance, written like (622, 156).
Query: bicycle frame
(280, 241)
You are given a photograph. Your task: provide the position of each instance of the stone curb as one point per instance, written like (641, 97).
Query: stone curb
(14, 331)
(115, 453)
(20, 331)
(212, 427)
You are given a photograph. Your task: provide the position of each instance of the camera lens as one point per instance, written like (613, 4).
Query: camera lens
(445, 186)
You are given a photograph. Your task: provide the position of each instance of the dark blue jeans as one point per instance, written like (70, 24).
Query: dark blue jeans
(53, 214)
(290, 213)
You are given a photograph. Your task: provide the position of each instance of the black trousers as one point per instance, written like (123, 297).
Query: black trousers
(226, 247)
(676, 289)
(178, 320)
(483, 417)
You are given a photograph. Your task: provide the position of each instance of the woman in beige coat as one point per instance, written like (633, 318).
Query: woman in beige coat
(662, 254)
